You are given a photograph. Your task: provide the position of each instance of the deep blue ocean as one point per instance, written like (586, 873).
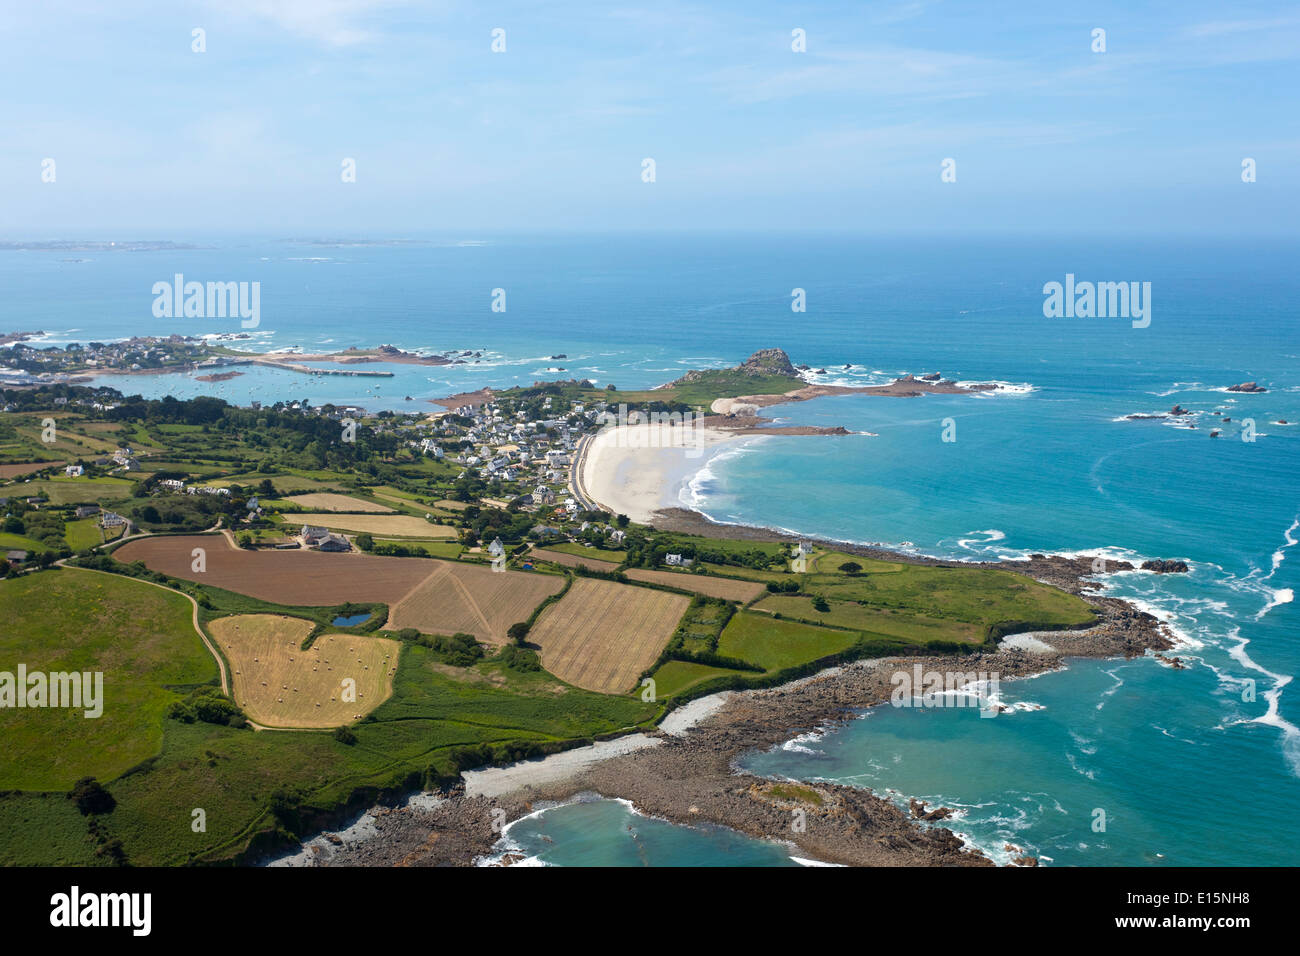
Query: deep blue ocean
(1189, 766)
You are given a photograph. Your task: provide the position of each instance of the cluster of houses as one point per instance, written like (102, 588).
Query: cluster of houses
(134, 353)
(124, 459)
(177, 486)
(534, 451)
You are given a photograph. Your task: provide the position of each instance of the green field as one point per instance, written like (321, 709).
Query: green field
(196, 469)
(231, 774)
(282, 482)
(828, 562)
(894, 622)
(745, 574)
(434, 709)
(594, 554)
(13, 542)
(676, 676)
(22, 438)
(772, 549)
(140, 637)
(776, 645)
(68, 491)
(53, 832)
(701, 626)
(82, 534)
(385, 491)
(434, 549)
(886, 608)
(976, 596)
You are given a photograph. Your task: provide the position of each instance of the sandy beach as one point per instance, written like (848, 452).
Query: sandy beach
(637, 470)
(498, 781)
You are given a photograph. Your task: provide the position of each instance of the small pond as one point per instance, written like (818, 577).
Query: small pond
(351, 620)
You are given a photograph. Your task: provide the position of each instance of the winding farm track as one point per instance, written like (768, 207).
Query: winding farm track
(221, 664)
(194, 605)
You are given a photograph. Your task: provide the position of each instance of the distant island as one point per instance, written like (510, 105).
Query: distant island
(84, 245)
(149, 354)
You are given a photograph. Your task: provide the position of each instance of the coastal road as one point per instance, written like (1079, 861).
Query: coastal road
(576, 488)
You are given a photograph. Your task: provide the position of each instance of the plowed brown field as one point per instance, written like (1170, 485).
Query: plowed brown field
(309, 578)
(474, 599)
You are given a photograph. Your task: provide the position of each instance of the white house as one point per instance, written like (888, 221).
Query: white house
(677, 561)
(74, 471)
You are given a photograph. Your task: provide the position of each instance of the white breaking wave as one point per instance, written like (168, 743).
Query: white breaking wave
(1001, 388)
(694, 492)
(1181, 387)
(1280, 596)
(993, 534)
(1271, 717)
(1280, 554)
(800, 744)
(804, 861)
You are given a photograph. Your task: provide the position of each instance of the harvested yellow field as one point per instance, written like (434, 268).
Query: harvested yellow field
(602, 634)
(726, 588)
(277, 684)
(474, 599)
(393, 526)
(327, 501)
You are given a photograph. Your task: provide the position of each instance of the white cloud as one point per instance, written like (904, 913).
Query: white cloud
(335, 23)
(879, 72)
(1225, 27)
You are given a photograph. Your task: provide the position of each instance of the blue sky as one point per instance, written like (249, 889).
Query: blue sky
(150, 138)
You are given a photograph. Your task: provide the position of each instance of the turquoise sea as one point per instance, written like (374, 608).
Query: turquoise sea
(1189, 766)
(603, 832)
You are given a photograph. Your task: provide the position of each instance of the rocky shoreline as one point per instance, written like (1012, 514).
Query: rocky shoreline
(690, 777)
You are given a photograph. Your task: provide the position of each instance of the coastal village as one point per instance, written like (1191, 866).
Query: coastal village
(518, 452)
(22, 363)
(514, 454)
(456, 551)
